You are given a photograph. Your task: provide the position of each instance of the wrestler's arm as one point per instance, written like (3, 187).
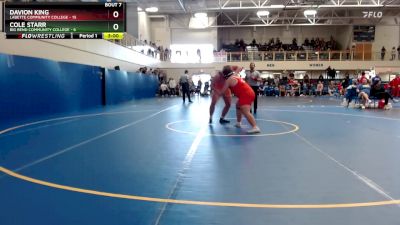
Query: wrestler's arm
(227, 84)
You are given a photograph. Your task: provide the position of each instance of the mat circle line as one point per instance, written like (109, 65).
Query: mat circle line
(295, 128)
(192, 202)
(70, 117)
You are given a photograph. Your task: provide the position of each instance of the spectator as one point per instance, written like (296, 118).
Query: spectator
(378, 91)
(320, 88)
(398, 52)
(362, 78)
(199, 86)
(163, 89)
(172, 86)
(351, 92)
(331, 88)
(383, 51)
(331, 72)
(346, 81)
(393, 53)
(321, 78)
(206, 88)
(353, 51)
(364, 90)
(395, 86)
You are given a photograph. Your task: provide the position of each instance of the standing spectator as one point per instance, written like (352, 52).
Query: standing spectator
(166, 54)
(395, 86)
(306, 84)
(398, 52)
(206, 87)
(393, 53)
(331, 73)
(346, 81)
(184, 82)
(252, 78)
(383, 51)
(199, 54)
(199, 86)
(321, 78)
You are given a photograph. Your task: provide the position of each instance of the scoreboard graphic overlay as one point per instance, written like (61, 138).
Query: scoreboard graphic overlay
(64, 20)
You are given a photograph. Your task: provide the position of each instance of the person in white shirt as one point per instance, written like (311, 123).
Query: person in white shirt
(164, 89)
(172, 86)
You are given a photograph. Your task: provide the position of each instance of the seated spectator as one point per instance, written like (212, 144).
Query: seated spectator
(163, 89)
(260, 90)
(331, 88)
(282, 86)
(340, 89)
(172, 86)
(351, 92)
(364, 90)
(379, 92)
(294, 85)
(320, 87)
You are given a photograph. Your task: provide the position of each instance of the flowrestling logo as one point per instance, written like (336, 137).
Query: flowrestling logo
(41, 36)
(372, 14)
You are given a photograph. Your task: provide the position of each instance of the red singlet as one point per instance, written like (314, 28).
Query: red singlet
(243, 91)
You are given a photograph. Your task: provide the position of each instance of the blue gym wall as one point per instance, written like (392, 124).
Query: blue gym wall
(34, 87)
(124, 86)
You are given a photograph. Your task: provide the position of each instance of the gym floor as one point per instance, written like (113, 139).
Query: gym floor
(159, 162)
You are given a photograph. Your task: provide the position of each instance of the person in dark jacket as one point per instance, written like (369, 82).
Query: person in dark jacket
(378, 91)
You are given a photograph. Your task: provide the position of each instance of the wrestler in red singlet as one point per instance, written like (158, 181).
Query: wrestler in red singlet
(245, 96)
(243, 91)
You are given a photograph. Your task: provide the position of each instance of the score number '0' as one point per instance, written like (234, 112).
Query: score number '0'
(115, 15)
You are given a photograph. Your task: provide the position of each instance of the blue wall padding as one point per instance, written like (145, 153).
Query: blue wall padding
(32, 87)
(123, 86)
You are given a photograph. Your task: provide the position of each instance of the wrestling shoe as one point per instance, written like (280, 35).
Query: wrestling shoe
(223, 121)
(254, 130)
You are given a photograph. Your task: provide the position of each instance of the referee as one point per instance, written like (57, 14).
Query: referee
(252, 78)
(184, 82)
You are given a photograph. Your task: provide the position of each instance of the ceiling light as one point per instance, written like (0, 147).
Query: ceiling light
(200, 15)
(152, 9)
(310, 12)
(263, 13)
(198, 23)
(277, 6)
(139, 9)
